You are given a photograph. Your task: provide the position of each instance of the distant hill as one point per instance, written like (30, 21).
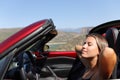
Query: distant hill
(5, 33)
(82, 30)
(69, 38)
(77, 30)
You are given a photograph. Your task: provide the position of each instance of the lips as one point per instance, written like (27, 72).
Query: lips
(84, 51)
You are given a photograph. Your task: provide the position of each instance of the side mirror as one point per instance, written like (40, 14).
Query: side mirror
(46, 47)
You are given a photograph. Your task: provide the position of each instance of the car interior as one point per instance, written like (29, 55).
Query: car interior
(28, 57)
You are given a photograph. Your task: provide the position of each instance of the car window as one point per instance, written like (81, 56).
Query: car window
(4, 63)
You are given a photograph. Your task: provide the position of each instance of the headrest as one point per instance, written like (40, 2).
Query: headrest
(111, 37)
(118, 45)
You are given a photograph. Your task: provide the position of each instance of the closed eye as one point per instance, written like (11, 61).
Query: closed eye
(90, 44)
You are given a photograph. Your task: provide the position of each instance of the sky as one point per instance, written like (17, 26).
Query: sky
(64, 13)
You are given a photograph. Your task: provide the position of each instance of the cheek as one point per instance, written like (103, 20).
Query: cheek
(93, 51)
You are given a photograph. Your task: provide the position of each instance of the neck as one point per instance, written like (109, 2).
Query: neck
(91, 63)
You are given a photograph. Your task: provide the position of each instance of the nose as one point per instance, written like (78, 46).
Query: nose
(84, 45)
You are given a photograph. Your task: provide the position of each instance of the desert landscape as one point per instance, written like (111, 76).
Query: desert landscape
(65, 40)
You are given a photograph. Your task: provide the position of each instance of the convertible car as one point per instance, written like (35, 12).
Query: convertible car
(26, 56)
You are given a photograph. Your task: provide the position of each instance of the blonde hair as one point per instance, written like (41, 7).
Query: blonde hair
(100, 40)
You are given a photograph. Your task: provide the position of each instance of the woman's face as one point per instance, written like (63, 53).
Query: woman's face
(90, 48)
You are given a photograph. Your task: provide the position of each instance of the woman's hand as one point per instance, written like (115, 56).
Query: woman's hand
(78, 49)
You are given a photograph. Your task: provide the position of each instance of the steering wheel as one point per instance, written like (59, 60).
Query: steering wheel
(27, 68)
(39, 63)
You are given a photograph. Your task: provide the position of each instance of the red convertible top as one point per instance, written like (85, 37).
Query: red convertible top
(20, 35)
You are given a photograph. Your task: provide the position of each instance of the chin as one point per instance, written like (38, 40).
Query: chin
(84, 56)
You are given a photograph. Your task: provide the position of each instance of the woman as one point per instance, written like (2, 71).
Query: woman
(97, 57)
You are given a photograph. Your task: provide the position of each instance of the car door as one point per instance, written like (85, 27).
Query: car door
(20, 41)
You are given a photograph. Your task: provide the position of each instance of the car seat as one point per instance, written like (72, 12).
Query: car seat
(111, 36)
(118, 54)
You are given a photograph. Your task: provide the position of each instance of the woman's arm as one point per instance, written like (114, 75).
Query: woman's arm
(107, 62)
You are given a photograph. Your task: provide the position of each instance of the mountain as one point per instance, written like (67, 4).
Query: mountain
(6, 32)
(77, 30)
(65, 40)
